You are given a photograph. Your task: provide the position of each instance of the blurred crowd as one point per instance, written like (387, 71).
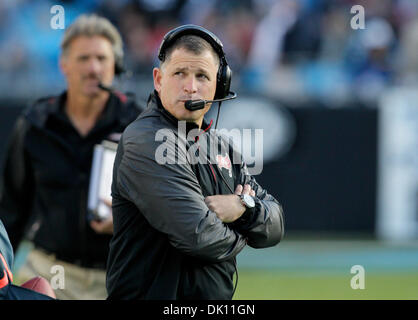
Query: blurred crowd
(294, 50)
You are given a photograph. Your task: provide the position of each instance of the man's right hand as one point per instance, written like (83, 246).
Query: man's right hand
(229, 208)
(104, 226)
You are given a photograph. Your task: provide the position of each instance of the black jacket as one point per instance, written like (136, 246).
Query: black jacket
(167, 244)
(46, 177)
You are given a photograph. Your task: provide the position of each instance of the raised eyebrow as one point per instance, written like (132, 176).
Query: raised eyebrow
(203, 71)
(182, 69)
(199, 71)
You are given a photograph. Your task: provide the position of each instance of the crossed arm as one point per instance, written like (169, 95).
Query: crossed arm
(170, 198)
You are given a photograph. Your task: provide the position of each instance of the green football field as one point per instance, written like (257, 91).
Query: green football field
(321, 269)
(284, 285)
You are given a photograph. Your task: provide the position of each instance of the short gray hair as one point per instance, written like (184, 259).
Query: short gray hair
(93, 25)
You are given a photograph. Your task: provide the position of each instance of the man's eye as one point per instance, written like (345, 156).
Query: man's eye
(203, 76)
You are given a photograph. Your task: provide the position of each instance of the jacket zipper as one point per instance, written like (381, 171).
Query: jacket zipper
(213, 173)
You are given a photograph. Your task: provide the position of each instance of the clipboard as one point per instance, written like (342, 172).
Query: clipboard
(101, 180)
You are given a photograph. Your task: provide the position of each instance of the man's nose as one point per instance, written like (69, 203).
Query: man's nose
(190, 85)
(94, 66)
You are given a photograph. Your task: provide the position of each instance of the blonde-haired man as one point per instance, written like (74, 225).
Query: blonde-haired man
(47, 168)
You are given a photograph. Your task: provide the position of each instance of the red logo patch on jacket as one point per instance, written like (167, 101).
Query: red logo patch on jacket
(224, 162)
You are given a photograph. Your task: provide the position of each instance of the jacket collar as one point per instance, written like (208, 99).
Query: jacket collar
(43, 108)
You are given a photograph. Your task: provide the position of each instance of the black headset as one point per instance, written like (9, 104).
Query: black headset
(223, 81)
(119, 68)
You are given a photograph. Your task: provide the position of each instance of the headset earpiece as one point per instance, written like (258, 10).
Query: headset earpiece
(224, 80)
(119, 69)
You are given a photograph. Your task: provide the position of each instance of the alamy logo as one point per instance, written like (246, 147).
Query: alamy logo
(358, 280)
(58, 280)
(191, 148)
(358, 20)
(58, 20)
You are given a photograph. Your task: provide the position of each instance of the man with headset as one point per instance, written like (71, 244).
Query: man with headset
(46, 174)
(178, 225)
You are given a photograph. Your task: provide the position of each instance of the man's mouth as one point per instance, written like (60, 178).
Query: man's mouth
(91, 79)
(188, 99)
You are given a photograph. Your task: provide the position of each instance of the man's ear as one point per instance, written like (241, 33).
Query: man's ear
(63, 65)
(157, 75)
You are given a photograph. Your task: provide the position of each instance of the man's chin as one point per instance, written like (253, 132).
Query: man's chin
(189, 116)
(93, 92)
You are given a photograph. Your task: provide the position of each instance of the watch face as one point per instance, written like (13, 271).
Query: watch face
(249, 201)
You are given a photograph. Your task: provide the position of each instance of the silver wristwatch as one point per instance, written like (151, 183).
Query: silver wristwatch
(247, 201)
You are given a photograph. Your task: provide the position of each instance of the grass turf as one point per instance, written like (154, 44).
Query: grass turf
(285, 284)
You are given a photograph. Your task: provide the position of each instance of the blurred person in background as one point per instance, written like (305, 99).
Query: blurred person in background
(408, 58)
(370, 59)
(47, 169)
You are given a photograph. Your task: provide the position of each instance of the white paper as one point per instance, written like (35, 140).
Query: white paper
(101, 178)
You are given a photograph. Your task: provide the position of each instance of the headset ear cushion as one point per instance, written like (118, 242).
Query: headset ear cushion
(224, 81)
(119, 69)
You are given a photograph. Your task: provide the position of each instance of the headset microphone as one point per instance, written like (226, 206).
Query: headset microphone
(194, 105)
(105, 88)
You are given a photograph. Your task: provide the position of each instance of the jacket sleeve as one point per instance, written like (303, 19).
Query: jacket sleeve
(16, 189)
(5, 246)
(170, 198)
(263, 225)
